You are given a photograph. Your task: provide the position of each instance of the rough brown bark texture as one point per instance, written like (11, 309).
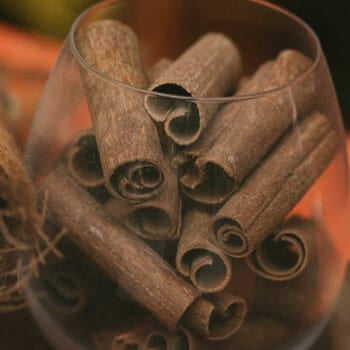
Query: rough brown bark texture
(245, 130)
(134, 172)
(211, 67)
(276, 186)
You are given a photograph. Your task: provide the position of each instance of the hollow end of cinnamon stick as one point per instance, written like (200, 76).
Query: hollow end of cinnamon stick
(83, 161)
(283, 255)
(139, 180)
(158, 340)
(183, 125)
(209, 68)
(135, 171)
(217, 318)
(125, 257)
(230, 238)
(156, 219)
(206, 182)
(159, 107)
(182, 120)
(206, 269)
(151, 222)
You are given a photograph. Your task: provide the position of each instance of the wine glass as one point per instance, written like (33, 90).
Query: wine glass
(193, 156)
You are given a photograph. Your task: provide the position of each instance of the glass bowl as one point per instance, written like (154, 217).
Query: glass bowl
(193, 156)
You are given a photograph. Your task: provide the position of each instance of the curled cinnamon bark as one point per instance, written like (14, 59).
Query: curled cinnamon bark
(199, 258)
(238, 137)
(162, 340)
(276, 186)
(285, 253)
(308, 298)
(155, 219)
(134, 172)
(183, 339)
(126, 258)
(209, 68)
(128, 261)
(145, 333)
(83, 160)
(218, 317)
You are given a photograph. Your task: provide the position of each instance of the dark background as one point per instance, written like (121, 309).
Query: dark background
(330, 20)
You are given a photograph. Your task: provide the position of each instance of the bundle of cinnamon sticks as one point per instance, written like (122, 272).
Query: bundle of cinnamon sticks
(215, 180)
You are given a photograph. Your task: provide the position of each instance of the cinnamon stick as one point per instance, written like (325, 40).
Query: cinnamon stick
(127, 140)
(161, 339)
(199, 258)
(155, 219)
(308, 298)
(83, 160)
(127, 259)
(209, 68)
(144, 333)
(276, 186)
(158, 68)
(285, 253)
(218, 317)
(218, 163)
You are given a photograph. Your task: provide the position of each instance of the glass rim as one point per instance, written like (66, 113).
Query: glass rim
(203, 99)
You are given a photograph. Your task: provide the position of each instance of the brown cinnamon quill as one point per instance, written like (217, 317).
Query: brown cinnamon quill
(199, 258)
(183, 339)
(276, 186)
(126, 258)
(158, 68)
(308, 298)
(218, 317)
(145, 333)
(155, 219)
(243, 131)
(209, 68)
(127, 139)
(284, 254)
(83, 160)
